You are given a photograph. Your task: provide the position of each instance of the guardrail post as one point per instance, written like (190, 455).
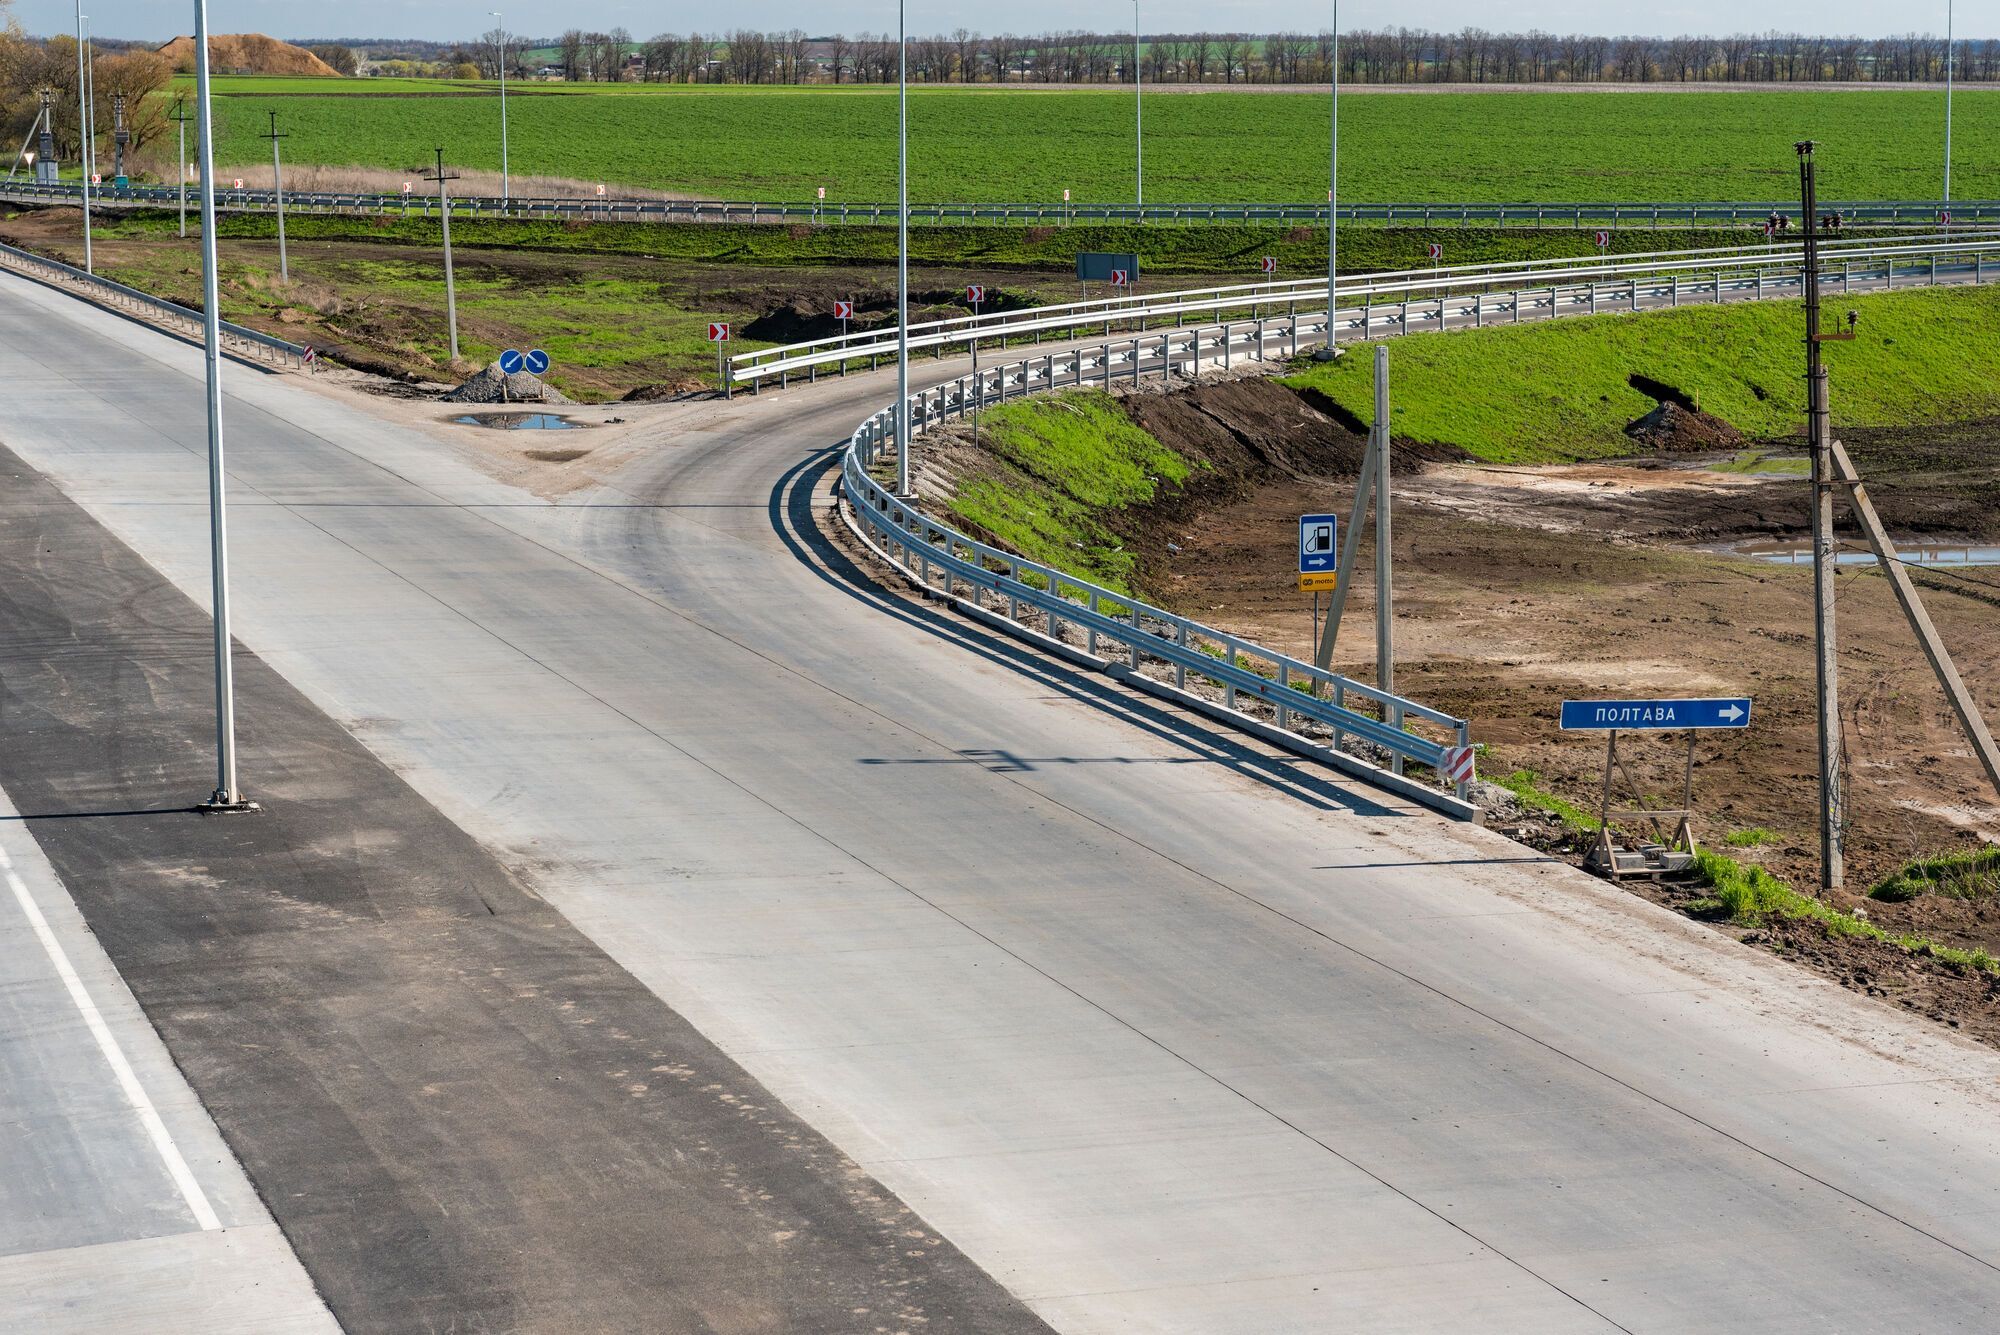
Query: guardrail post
(1279, 713)
(1180, 671)
(1090, 635)
(1461, 790)
(1406, 316)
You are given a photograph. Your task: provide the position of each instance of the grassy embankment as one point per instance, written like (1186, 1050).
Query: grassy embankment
(994, 144)
(1546, 394)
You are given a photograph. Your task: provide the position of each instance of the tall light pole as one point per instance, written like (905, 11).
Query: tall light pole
(1333, 200)
(1138, 118)
(902, 253)
(227, 797)
(501, 28)
(1950, 68)
(83, 135)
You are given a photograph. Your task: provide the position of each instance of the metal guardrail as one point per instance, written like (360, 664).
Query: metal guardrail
(1255, 300)
(1299, 705)
(1891, 213)
(244, 343)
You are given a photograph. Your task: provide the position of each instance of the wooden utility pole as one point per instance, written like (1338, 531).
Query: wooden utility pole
(278, 185)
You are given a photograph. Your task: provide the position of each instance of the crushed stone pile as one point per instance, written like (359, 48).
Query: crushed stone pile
(494, 386)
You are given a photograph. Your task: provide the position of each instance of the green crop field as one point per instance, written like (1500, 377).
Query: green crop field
(1021, 145)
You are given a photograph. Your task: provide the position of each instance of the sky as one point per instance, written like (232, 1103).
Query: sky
(161, 19)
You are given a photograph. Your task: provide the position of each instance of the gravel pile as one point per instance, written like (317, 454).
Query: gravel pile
(492, 386)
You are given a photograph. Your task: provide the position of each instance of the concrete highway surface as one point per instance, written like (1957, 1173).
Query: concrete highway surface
(659, 924)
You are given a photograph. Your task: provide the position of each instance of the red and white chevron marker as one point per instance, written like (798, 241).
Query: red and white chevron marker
(975, 294)
(718, 333)
(1434, 250)
(1121, 278)
(1270, 264)
(843, 310)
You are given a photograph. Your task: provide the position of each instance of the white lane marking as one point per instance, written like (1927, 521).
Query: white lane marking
(128, 1082)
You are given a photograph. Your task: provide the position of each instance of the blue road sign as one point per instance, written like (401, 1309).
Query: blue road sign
(1653, 715)
(1319, 543)
(510, 361)
(538, 361)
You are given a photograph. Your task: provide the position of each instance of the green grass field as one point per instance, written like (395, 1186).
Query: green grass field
(1547, 393)
(1015, 145)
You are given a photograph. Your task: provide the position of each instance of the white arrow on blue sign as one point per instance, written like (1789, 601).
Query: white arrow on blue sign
(538, 361)
(510, 361)
(1653, 715)
(1319, 543)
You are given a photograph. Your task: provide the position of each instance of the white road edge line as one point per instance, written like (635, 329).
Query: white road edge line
(149, 1117)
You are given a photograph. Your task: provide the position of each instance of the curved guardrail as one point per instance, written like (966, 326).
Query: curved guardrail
(1273, 695)
(245, 344)
(1878, 212)
(1403, 288)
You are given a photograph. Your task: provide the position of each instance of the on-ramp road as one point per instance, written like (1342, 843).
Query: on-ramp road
(1164, 1031)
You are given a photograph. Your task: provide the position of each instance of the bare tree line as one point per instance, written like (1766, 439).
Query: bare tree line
(1388, 56)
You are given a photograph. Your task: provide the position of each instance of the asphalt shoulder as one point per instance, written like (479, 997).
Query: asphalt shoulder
(461, 1112)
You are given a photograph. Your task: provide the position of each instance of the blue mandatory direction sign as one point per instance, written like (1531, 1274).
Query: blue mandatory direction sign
(1319, 543)
(538, 361)
(1653, 715)
(510, 361)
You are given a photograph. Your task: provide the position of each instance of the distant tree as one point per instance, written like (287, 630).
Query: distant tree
(342, 58)
(571, 50)
(838, 51)
(465, 70)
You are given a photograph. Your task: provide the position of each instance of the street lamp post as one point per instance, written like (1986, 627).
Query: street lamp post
(902, 253)
(1138, 119)
(1950, 69)
(501, 28)
(83, 135)
(1333, 200)
(226, 797)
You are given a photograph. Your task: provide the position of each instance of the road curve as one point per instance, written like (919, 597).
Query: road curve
(1165, 1031)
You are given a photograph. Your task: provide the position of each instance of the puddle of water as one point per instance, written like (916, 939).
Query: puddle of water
(1799, 553)
(518, 421)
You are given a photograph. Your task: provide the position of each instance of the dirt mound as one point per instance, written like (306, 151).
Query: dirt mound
(249, 53)
(492, 386)
(1673, 427)
(666, 391)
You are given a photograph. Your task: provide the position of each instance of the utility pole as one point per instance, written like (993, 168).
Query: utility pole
(1819, 440)
(1332, 350)
(278, 183)
(181, 117)
(903, 442)
(505, 192)
(450, 286)
(226, 796)
(83, 134)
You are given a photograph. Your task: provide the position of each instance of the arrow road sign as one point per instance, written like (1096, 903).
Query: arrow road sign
(1653, 715)
(843, 310)
(1121, 277)
(1270, 264)
(975, 294)
(537, 361)
(510, 361)
(1603, 240)
(1434, 250)
(718, 333)
(1319, 543)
